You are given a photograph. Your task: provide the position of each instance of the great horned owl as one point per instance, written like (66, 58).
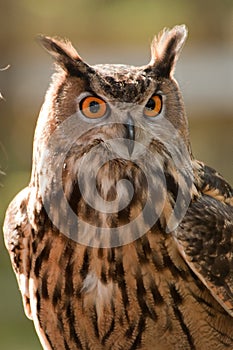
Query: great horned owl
(122, 240)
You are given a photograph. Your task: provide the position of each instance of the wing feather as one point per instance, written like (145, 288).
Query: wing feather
(17, 235)
(205, 240)
(211, 183)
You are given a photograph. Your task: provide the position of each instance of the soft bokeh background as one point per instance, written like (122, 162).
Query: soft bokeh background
(105, 31)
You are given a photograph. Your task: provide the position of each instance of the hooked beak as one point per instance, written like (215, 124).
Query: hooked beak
(130, 134)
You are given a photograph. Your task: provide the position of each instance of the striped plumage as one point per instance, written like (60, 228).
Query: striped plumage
(140, 282)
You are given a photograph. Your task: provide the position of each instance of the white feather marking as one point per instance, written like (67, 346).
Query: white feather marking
(92, 284)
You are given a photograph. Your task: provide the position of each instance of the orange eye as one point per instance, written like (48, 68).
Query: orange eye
(153, 106)
(93, 107)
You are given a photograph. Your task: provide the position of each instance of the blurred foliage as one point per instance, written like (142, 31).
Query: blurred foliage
(91, 23)
(131, 21)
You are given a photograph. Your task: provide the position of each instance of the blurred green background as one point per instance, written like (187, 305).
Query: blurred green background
(105, 31)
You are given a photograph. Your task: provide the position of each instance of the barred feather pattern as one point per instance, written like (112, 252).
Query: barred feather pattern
(138, 296)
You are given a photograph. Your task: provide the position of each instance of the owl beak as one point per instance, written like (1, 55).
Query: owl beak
(130, 135)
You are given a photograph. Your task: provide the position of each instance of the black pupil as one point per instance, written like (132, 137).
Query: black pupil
(94, 107)
(150, 104)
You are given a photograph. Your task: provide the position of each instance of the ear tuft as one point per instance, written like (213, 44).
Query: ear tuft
(165, 49)
(64, 54)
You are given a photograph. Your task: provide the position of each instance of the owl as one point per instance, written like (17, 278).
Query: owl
(122, 239)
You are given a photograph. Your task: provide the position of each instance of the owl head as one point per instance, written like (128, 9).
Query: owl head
(111, 128)
(133, 96)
